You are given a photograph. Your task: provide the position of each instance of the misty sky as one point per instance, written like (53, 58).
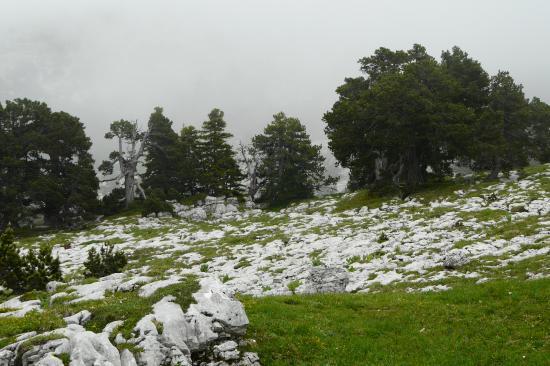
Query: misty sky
(106, 60)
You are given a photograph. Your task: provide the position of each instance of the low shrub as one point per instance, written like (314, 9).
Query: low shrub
(28, 272)
(104, 262)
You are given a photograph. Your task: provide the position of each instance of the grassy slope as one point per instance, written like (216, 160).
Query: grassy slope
(496, 323)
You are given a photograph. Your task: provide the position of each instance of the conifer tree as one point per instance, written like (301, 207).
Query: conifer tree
(290, 166)
(45, 165)
(162, 156)
(220, 173)
(539, 130)
(501, 138)
(189, 165)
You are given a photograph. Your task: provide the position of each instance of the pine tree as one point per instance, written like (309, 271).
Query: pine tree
(162, 156)
(220, 173)
(45, 165)
(11, 264)
(389, 128)
(502, 140)
(290, 166)
(189, 165)
(538, 116)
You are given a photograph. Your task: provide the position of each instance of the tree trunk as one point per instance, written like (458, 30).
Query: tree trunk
(495, 169)
(414, 174)
(129, 181)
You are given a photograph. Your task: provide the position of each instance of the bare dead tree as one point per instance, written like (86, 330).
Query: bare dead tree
(127, 157)
(251, 158)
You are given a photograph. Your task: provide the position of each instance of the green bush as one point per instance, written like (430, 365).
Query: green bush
(29, 272)
(154, 204)
(104, 262)
(41, 267)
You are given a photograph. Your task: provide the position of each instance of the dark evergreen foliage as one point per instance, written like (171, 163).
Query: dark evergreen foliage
(219, 172)
(290, 166)
(45, 165)
(104, 262)
(156, 203)
(413, 117)
(29, 272)
(162, 158)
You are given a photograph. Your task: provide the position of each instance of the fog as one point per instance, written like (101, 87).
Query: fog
(106, 60)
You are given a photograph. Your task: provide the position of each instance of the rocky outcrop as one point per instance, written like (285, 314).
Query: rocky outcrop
(215, 207)
(195, 335)
(206, 334)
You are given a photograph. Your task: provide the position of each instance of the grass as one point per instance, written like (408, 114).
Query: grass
(360, 199)
(496, 323)
(33, 321)
(510, 229)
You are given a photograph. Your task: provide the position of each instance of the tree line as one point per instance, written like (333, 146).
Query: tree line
(411, 119)
(46, 167)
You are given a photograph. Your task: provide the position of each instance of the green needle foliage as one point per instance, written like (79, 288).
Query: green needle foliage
(412, 117)
(29, 272)
(290, 166)
(104, 262)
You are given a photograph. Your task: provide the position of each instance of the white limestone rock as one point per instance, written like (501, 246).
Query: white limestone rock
(226, 351)
(25, 336)
(20, 308)
(96, 290)
(175, 328)
(91, 349)
(214, 303)
(249, 359)
(455, 259)
(109, 328)
(79, 318)
(53, 285)
(198, 214)
(150, 288)
(127, 358)
(50, 360)
(325, 279)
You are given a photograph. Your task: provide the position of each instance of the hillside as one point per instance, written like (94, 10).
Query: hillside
(466, 239)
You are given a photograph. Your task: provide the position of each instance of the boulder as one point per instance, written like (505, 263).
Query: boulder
(41, 351)
(455, 259)
(324, 279)
(232, 201)
(215, 304)
(175, 329)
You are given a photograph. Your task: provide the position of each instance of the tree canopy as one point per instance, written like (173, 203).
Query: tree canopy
(290, 166)
(45, 165)
(413, 117)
